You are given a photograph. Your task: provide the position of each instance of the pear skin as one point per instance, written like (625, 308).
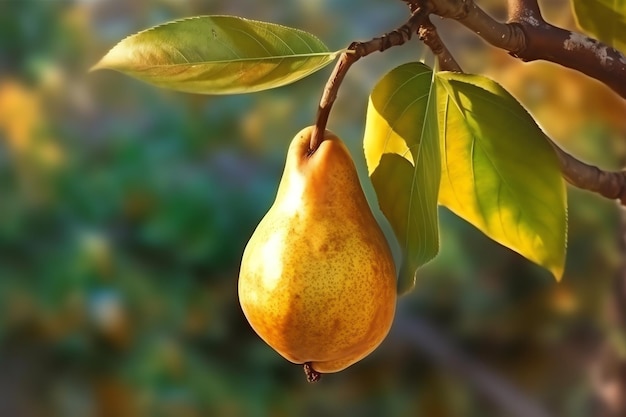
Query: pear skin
(317, 279)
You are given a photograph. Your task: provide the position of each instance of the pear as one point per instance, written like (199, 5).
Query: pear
(317, 279)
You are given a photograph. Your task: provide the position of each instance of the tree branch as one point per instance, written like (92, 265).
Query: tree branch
(508, 36)
(529, 37)
(576, 51)
(518, 9)
(468, 13)
(588, 177)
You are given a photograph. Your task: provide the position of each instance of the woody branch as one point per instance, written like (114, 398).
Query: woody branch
(526, 36)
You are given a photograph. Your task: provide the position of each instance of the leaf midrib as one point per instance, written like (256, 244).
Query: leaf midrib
(476, 141)
(233, 61)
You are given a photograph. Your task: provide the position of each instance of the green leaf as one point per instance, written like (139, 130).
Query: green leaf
(218, 55)
(498, 170)
(604, 19)
(401, 146)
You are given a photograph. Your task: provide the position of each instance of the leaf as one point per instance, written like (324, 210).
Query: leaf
(218, 55)
(402, 153)
(605, 19)
(498, 170)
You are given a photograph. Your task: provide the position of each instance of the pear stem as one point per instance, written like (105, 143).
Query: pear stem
(353, 53)
(329, 95)
(311, 374)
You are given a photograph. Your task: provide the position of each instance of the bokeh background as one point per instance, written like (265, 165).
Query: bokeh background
(124, 210)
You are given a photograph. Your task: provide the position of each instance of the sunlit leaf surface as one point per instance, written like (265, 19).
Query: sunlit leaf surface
(402, 153)
(218, 55)
(499, 172)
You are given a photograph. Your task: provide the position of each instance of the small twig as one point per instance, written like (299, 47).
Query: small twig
(428, 34)
(356, 51)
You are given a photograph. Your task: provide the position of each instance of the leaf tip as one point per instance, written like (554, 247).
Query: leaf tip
(557, 272)
(108, 61)
(97, 66)
(407, 278)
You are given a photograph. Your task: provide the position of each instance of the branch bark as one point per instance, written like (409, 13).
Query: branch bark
(529, 37)
(521, 8)
(573, 50)
(608, 184)
(526, 36)
(428, 34)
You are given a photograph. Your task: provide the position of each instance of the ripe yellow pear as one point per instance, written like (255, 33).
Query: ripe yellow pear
(317, 279)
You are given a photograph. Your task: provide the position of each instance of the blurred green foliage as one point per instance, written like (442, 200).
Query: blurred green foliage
(124, 210)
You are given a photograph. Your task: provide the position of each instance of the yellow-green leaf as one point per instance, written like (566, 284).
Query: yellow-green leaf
(402, 153)
(218, 55)
(498, 170)
(604, 19)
